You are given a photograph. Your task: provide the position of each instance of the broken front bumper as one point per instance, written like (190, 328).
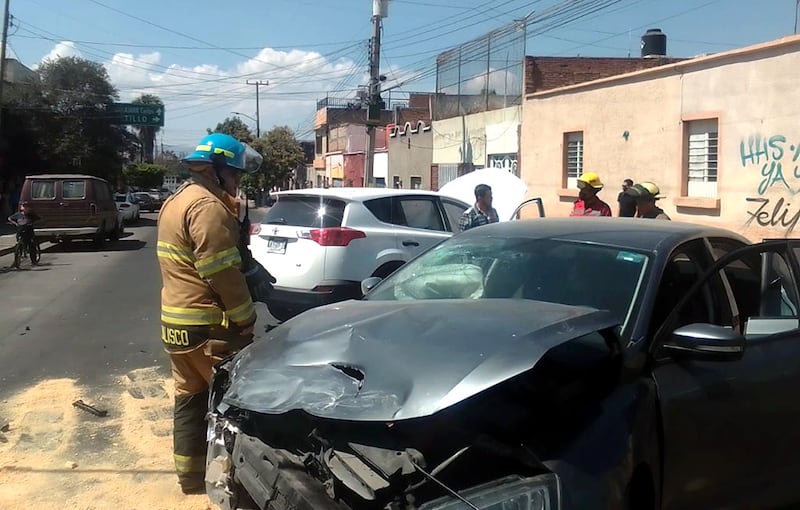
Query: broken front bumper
(272, 478)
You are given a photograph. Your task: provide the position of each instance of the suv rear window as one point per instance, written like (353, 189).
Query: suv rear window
(73, 189)
(43, 190)
(306, 211)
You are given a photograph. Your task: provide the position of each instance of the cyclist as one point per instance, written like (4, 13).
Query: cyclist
(26, 240)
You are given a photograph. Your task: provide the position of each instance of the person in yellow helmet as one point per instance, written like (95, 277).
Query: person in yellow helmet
(646, 194)
(588, 204)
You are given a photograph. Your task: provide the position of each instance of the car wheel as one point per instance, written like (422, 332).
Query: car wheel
(116, 233)
(387, 269)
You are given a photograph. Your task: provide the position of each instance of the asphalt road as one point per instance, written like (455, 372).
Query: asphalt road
(83, 313)
(84, 324)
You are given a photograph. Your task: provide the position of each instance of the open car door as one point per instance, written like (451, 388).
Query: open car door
(727, 364)
(537, 201)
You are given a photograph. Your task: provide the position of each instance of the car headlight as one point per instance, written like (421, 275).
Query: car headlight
(536, 493)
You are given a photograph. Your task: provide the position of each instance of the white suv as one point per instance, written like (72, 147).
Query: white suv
(320, 244)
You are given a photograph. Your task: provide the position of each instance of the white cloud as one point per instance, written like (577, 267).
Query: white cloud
(62, 49)
(198, 97)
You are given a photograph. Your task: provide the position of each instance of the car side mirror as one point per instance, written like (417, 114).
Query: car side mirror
(369, 283)
(705, 342)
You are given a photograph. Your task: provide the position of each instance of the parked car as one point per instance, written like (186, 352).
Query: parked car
(128, 205)
(320, 243)
(568, 363)
(150, 202)
(72, 206)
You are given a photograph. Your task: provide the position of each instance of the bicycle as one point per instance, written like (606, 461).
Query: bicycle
(26, 246)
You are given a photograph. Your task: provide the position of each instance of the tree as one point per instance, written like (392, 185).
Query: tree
(144, 175)
(235, 127)
(282, 153)
(147, 134)
(66, 112)
(172, 164)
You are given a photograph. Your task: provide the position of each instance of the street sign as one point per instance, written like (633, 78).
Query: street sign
(137, 114)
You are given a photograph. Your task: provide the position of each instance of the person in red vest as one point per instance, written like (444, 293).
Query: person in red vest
(588, 204)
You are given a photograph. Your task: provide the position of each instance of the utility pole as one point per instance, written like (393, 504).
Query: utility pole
(3, 63)
(380, 10)
(796, 7)
(258, 83)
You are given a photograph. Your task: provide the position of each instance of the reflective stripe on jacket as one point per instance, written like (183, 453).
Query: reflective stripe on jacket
(200, 262)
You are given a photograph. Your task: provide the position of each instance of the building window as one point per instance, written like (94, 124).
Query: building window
(573, 158)
(702, 143)
(396, 182)
(416, 182)
(380, 182)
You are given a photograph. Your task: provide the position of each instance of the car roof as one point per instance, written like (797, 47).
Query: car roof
(358, 194)
(635, 233)
(64, 176)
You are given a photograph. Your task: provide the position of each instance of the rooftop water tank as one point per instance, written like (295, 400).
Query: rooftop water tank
(654, 43)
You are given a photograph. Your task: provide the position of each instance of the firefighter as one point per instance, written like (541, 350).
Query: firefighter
(588, 203)
(207, 311)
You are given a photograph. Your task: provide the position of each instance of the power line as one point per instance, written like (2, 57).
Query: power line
(681, 13)
(180, 73)
(187, 36)
(204, 48)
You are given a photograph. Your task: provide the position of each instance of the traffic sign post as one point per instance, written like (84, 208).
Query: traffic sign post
(137, 114)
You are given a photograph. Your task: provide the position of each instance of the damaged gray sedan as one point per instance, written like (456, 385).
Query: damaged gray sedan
(543, 364)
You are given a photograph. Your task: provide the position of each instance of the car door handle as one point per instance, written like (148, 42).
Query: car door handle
(410, 243)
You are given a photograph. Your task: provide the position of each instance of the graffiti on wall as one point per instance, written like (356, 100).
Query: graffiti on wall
(778, 162)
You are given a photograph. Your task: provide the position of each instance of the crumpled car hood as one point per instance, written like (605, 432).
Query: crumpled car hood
(393, 360)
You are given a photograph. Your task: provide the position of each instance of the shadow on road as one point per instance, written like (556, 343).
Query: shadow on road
(38, 268)
(89, 247)
(143, 222)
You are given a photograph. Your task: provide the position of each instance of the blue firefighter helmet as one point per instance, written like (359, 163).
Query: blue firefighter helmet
(225, 149)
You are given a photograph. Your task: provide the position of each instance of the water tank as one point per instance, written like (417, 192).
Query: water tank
(654, 43)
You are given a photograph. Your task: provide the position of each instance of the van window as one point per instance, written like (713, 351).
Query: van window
(43, 190)
(73, 189)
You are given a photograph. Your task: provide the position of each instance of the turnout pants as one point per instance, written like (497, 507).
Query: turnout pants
(192, 373)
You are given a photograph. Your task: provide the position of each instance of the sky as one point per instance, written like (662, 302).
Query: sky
(197, 55)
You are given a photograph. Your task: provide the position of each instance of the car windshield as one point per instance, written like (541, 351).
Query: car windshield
(555, 271)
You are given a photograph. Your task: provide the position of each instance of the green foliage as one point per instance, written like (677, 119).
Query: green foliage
(282, 153)
(144, 175)
(172, 165)
(147, 134)
(61, 119)
(235, 127)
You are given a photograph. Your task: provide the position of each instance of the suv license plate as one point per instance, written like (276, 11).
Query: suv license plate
(276, 245)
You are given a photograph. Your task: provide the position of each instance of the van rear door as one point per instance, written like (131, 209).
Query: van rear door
(76, 208)
(42, 195)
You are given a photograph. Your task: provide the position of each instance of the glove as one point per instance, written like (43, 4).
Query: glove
(259, 281)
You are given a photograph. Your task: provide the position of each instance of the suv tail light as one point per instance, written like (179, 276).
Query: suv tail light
(335, 236)
(255, 229)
